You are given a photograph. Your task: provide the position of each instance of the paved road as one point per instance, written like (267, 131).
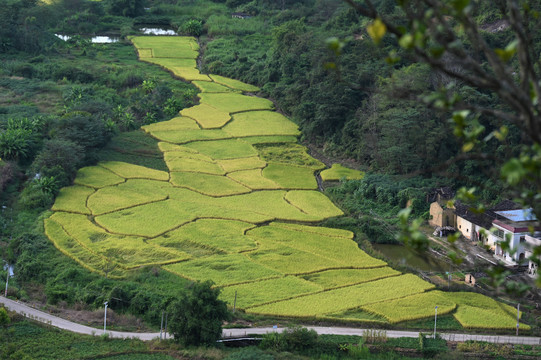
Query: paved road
(78, 328)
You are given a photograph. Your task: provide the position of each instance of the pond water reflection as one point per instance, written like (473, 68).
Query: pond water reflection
(99, 39)
(157, 31)
(408, 257)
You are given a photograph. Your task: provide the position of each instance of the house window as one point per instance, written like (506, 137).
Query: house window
(467, 230)
(460, 226)
(499, 233)
(523, 239)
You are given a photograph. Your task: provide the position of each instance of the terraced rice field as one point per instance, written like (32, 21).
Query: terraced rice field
(240, 206)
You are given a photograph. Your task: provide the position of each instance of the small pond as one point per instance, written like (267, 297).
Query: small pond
(157, 31)
(99, 39)
(408, 257)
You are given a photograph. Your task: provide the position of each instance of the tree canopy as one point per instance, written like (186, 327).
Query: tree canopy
(196, 317)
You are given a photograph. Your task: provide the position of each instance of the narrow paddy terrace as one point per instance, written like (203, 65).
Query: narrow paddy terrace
(239, 205)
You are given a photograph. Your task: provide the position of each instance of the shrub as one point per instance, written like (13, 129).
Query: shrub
(191, 27)
(291, 339)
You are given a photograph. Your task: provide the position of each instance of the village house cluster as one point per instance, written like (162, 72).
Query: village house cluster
(505, 221)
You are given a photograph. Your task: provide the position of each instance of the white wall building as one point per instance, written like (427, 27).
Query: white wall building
(515, 226)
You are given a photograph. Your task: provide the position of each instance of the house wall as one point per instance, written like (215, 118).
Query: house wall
(477, 234)
(514, 243)
(465, 227)
(440, 216)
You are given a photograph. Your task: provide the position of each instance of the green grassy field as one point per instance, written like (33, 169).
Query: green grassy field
(228, 195)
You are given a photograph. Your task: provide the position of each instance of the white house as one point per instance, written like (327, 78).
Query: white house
(515, 226)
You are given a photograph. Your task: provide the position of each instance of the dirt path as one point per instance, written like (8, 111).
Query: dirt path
(55, 321)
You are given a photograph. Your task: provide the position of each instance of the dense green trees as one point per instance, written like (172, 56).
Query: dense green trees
(196, 317)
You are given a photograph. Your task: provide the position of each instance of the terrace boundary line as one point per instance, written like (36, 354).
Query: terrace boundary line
(46, 318)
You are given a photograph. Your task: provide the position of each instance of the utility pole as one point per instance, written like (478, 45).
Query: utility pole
(435, 319)
(105, 318)
(165, 335)
(235, 302)
(7, 280)
(161, 327)
(518, 316)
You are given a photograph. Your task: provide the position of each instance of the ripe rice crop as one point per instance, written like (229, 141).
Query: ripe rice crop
(479, 311)
(212, 87)
(319, 230)
(132, 253)
(207, 116)
(175, 124)
(269, 202)
(253, 179)
(478, 318)
(413, 307)
(71, 248)
(130, 171)
(313, 203)
(212, 185)
(171, 62)
(291, 176)
(183, 152)
(247, 163)
(222, 235)
(234, 84)
(73, 199)
(232, 103)
(345, 298)
(186, 136)
(259, 123)
(266, 291)
(337, 172)
(144, 54)
(97, 177)
(226, 269)
(131, 193)
(220, 207)
(289, 260)
(224, 149)
(340, 251)
(188, 74)
(165, 147)
(127, 251)
(343, 277)
(270, 139)
(176, 163)
(293, 154)
(168, 46)
(159, 217)
(194, 249)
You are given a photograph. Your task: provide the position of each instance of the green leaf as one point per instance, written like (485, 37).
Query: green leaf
(393, 58)
(406, 41)
(468, 146)
(329, 65)
(507, 53)
(502, 134)
(436, 51)
(376, 30)
(513, 171)
(460, 5)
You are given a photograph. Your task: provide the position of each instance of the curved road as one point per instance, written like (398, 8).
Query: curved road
(46, 318)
